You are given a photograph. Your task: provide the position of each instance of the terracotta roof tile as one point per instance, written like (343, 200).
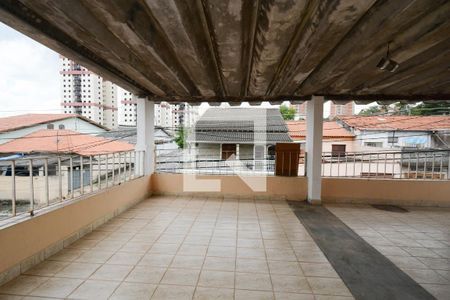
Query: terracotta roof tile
(409, 123)
(28, 120)
(297, 130)
(63, 141)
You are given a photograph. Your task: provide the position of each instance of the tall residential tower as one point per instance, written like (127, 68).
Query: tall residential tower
(85, 93)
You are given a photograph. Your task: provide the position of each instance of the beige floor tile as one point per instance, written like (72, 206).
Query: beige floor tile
(218, 251)
(146, 274)
(284, 254)
(95, 257)
(217, 279)
(285, 268)
(78, 270)
(436, 263)
(23, 285)
(193, 250)
(328, 286)
(125, 258)
(68, 255)
(156, 260)
(187, 262)
(253, 281)
(311, 256)
(57, 287)
(421, 252)
(133, 291)
(173, 292)
(251, 253)
(112, 272)
(250, 243)
(426, 276)
(407, 262)
(136, 247)
(181, 276)
(95, 289)
(293, 296)
(253, 295)
(204, 293)
(328, 297)
(160, 248)
(318, 270)
(287, 283)
(219, 263)
(47, 268)
(250, 265)
(441, 292)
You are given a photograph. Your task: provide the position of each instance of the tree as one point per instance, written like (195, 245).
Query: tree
(288, 112)
(180, 137)
(428, 109)
(374, 110)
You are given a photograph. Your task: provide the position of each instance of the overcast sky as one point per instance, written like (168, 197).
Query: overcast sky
(29, 77)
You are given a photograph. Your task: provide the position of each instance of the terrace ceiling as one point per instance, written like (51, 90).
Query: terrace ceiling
(250, 50)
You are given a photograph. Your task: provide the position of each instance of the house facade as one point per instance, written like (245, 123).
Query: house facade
(21, 125)
(395, 132)
(240, 133)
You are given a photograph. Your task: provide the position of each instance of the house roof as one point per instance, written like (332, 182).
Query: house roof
(297, 130)
(402, 123)
(28, 120)
(63, 141)
(240, 125)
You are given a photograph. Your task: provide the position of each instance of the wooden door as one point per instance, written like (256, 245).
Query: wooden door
(286, 159)
(228, 150)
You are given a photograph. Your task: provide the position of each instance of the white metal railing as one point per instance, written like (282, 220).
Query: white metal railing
(35, 182)
(423, 164)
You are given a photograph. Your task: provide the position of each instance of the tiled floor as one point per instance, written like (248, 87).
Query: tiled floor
(184, 248)
(192, 248)
(418, 241)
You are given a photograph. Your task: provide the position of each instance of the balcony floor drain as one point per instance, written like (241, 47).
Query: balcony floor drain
(391, 208)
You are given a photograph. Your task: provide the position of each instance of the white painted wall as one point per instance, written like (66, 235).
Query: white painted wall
(74, 124)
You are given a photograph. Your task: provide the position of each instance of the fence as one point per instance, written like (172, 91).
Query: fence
(424, 164)
(31, 183)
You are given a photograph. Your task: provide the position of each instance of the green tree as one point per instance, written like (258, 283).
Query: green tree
(428, 109)
(374, 110)
(288, 112)
(180, 137)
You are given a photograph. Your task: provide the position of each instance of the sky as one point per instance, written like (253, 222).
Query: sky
(29, 77)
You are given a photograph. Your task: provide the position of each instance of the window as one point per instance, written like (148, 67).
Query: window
(373, 144)
(228, 150)
(337, 150)
(392, 139)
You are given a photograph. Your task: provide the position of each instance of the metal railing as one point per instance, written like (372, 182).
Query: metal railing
(182, 161)
(423, 164)
(35, 182)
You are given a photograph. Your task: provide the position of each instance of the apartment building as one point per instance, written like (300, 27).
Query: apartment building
(336, 110)
(87, 94)
(166, 115)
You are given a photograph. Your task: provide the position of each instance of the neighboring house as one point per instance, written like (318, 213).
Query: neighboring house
(21, 125)
(246, 133)
(163, 138)
(399, 131)
(66, 143)
(336, 139)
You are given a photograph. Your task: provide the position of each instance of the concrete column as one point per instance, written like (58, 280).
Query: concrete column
(145, 133)
(314, 127)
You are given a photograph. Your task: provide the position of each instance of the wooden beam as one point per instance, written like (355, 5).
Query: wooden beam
(322, 26)
(372, 32)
